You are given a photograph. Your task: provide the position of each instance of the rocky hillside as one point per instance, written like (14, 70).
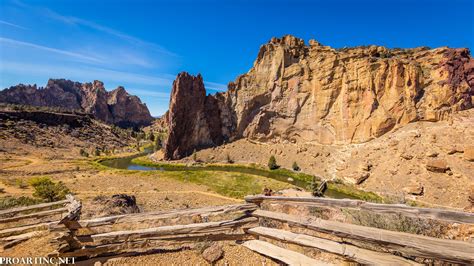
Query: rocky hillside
(313, 93)
(46, 129)
(114, 107)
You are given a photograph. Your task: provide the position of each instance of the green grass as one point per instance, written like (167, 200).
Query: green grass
(301, 180)
(235, 185)
(11, 202)
(226, 183)
(284, 173)
(15, 182)
(354, 193)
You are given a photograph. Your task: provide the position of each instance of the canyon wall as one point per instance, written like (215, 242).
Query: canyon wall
(317, 94)
(114, 107)
(193, 118)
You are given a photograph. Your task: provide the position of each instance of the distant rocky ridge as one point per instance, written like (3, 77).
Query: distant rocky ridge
(318, 94)
(114, 107)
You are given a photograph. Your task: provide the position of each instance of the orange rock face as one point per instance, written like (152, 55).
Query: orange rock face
(316, 94)
(319, 94)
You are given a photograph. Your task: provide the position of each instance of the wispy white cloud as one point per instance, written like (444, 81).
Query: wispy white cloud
(71, 20)
(83, 73)
(49, 49)
(150, 93)
(12, 25)
(118, 56)
(215, 86)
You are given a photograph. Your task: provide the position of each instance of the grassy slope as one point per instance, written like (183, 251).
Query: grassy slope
(231, 184)
(349, 190)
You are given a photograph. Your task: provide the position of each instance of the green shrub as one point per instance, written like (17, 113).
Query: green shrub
(21, 183)
(151, 137)
(97, 152)
(272, 164)
(195, 156)
(83, 153)
(48, 190)
(314, 186)
(295, 166)
(157, 145)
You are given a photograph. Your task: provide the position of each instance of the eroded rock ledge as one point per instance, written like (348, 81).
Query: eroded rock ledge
(314, 93)
(114, 107)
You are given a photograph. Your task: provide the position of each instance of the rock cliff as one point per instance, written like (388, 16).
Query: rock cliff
(114, 107)
(193, 118)
(317, 94)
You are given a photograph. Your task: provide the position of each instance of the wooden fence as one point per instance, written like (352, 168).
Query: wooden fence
(20, 224)
(268, 231)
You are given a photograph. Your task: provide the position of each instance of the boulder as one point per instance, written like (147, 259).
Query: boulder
(115, 205)
(414, 189)
(469, 153)
(454, 149)
(432, 154)
(437, 165)
(366, 166)
(213, 253)
(362, 177)
(406, 156)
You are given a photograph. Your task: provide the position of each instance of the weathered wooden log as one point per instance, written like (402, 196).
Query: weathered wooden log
(9, 212)
(21, 236)
(155, 219)
(173, 231)
(11, 241)
(284, 255)
(25, 229)
(74, 211)
(141, 217)
(429, 213)
(34, 215)
(350, 252)
(160, 238)
(129, 248)
(409, 244)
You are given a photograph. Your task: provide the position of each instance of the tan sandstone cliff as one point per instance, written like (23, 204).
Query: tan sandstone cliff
(316, 94)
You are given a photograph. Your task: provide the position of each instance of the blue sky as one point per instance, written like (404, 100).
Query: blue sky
(142, 45)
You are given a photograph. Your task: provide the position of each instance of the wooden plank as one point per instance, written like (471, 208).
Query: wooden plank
(429, 213)
(161, 215)
(34, 215)
(32, 207)
(173, 230)
(11, 241)
(129, 247)
(350, 252)
(25, 229)
(416, 245)
(74, 211)
(21, 236)
(284, 255)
